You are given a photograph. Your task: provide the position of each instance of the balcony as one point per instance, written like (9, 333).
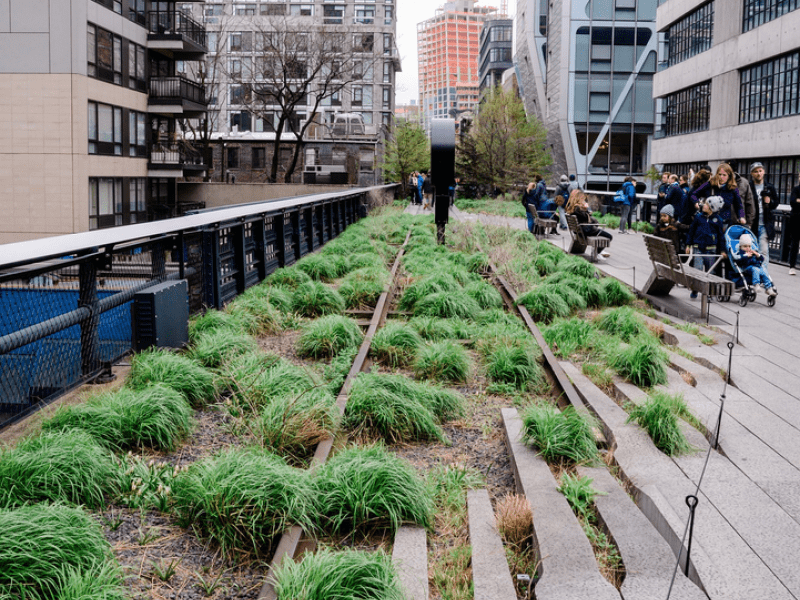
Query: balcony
(176, 95)
(176, 32)
(174, 158)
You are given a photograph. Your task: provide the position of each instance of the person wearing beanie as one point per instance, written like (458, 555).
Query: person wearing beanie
(670, 229)
(561, 198)
(705, 235)
(750, 260)
(765, 198)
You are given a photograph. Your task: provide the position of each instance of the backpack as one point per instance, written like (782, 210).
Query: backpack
(620, 196)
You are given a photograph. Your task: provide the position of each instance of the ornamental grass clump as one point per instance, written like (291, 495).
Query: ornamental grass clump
(278, 296)
(360, 489)
(484, 294)
(395, 344)
(363, 288)
(442, 361)
(257, 314)
(559, 435)
(256, 389)
(447, 305)
(425, 287)
(212, 349)
(328, 336)
(242, 499)
(155, 417)
(69, 467)
(197, 384)
(366, 260)
(643, 362)
(657, 416)
(433, 329)
(616, 293)
(242, 371)
(572, 297)
(577, 266)
(288, 277)
(515, 366)
(212, 321)
(567, 336)
(544, 303)
(589, 288)
(624, 322)
(399, 409)
(293, 425)
(478, 263)
(47, 549)
(319, 267)
(314, 299)
(326, 574)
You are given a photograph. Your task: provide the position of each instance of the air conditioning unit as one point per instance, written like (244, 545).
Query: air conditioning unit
(160, 316)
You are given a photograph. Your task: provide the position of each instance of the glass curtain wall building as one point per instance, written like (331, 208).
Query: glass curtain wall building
(586, 69)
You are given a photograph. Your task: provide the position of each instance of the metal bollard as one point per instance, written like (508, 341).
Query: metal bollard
(443, 165)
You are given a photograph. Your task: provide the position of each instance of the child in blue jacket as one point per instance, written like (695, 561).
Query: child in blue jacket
(749, 261)
(705, 234)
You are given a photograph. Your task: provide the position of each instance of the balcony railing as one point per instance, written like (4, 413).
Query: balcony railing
(175, 154)
(175, 22)
(169, 90)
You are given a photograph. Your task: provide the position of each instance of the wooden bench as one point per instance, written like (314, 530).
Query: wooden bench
(580, 241)
(668, 270)
(541, 225)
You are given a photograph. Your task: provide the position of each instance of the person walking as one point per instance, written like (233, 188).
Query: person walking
(765, 198)
(561, 198)
(662, 191)
(420, 182)
(676, 197)
(529, 198)
(723, 184)
(792, 241)
(427, 192)
(628, 200)
(746, 194)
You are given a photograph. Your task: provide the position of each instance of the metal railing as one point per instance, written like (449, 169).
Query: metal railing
(176, 89)
(175, 154)
(176, 22)
(66, 301)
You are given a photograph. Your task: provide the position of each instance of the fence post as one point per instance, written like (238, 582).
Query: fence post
(87, 297)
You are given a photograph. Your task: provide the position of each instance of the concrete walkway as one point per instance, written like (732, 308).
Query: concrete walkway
(751, 488)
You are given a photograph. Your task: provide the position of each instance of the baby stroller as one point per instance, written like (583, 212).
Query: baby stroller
(735, 274)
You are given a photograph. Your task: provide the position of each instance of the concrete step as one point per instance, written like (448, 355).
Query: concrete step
(410, 557)
(490, 575)
(568, 567)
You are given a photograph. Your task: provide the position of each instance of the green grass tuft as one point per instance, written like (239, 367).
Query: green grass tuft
(50, 551)
(255, 386)
(616, 293)
(326, 574)
(277, 296)
(258, 314)
(624, 322)
(478, 263)
(433, 329)
(328, 336)
(212, 321)
(289, 277)
(214, 348)
(360, 489)
(314, 299)
(319, 267)
(396, 344)
(544, 303)
(657, 417)
(643, 363)
(516, 366)
(560, 435)
(484, 294)
(363, 288)
(155, 416)
(69, 467)
(447, 305)
(577, 266)
(180, 373)
(567, 336)
(242, 500)
(580, 494)
(442, 361)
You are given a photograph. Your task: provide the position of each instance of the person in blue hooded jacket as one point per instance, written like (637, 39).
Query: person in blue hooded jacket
(628, 200)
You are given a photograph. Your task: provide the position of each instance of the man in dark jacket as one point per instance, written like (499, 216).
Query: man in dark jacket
(766, 199)
(662, 191)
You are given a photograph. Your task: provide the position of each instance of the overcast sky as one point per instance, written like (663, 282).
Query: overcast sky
(409, 13)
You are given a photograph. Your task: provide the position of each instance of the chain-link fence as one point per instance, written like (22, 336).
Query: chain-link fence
(66, 319)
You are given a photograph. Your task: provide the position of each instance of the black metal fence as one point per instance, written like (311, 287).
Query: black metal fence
(65, 302)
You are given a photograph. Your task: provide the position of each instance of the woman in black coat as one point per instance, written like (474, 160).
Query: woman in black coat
(793, 230)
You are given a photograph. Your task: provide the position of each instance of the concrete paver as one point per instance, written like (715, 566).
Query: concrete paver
(490, 575)
(410, 556)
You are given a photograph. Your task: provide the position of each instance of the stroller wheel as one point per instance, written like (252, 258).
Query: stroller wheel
(743, 299)
(771, 301)
(723, 298)
(751, 295)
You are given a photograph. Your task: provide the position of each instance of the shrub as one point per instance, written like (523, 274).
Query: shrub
(447, 305)
(327, 574)
(242, 499)
(290, 277)
(442, 361)
(69, 467)
(180, 373)
(514, 365)
(395, 344)
(559, 435)
(328, 336)
(214, 348)
(155, 416)
(567, 336)
(48, 550)
(294, 425)
(657, 417)
(616, 293)
(313, 299)
(643, 363)
(360, 489)
(544, 303)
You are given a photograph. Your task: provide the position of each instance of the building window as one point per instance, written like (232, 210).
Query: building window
(691, 35)
(137, 79)
(771, 89)
(387, 97)
(105, 129)
(137, 12)
(365, 13)
(388, 15)
(233, 158)
(363, 42)
(241, 41)
(333, 14)
(301, 10)
(241, 120)
(758, 12)
(500, 33)
(687, 111)
(137, 134)
(244, 9)
(273, 10)
(358, 95)
(387, 72)
(104, 55)
(599, 102)
(388, 46)
(137, 200)
(105, 202)
(259, 158)
(115, 5)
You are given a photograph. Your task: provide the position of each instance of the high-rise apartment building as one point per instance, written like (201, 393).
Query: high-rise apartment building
(246, 41)
(586, 70)
(448, 46)
(728, 87)
(495, 52)
(91, 94)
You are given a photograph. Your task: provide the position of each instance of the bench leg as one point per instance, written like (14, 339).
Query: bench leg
(703, 306)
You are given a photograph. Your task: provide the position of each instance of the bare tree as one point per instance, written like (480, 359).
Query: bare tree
(295, 69)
